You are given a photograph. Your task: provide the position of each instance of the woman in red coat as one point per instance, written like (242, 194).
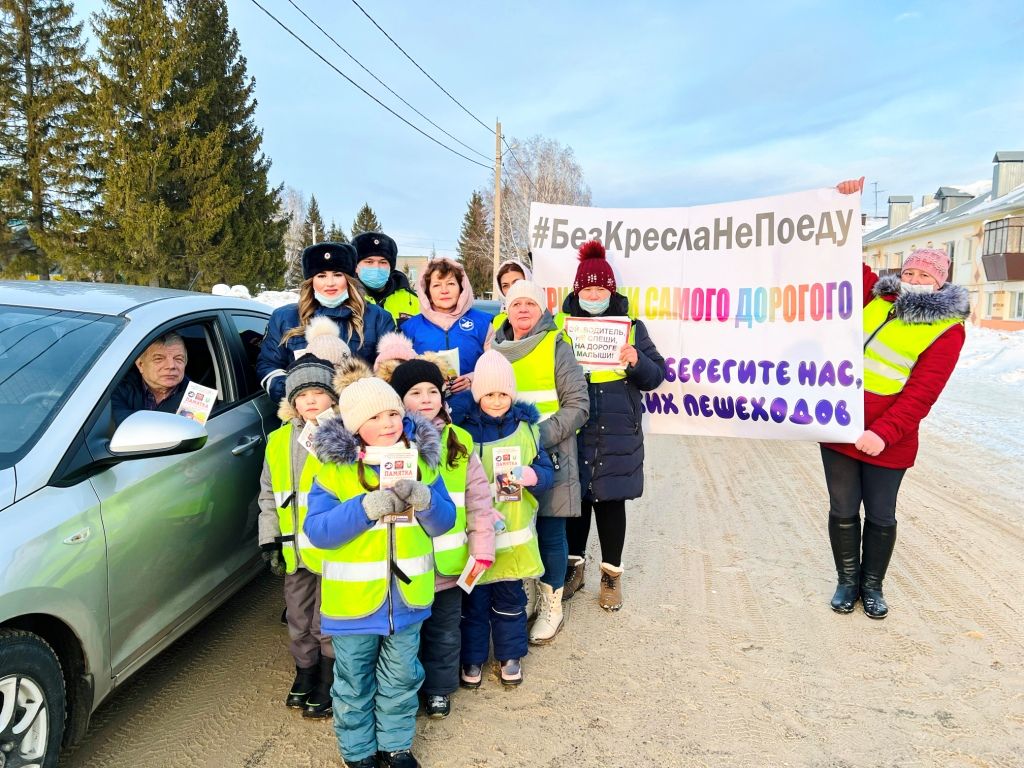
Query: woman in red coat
(913, 333)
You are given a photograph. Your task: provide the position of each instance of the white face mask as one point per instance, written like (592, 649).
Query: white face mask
(912, 288)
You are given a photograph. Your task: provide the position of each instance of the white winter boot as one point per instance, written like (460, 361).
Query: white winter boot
(549, 615)
(530, 587)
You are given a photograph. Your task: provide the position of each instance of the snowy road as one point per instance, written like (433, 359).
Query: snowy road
(725, 654)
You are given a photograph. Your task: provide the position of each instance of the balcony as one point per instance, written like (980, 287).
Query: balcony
(1003, 255)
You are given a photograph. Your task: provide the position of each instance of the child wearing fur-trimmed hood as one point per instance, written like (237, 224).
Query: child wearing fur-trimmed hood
(311, 388)
(378, 573)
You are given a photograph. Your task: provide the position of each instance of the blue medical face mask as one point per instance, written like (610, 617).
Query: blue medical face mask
(595, 307)
(328, 301)
(373, 277)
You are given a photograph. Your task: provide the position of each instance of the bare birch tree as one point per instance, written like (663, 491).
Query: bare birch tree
(539, 170)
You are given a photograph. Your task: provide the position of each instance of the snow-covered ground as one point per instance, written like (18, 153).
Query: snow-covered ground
(982, 405)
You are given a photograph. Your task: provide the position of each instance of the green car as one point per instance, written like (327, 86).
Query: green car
(119, 531)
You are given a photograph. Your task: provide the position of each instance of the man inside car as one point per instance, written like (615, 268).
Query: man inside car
(157, 383)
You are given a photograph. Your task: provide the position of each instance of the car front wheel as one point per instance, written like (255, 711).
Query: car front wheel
(31, 701)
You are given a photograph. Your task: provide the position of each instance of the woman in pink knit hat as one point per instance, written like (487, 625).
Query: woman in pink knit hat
(913, 331)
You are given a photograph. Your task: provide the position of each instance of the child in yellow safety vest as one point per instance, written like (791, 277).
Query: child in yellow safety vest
(419, 383)
(288, 472)
(496, 608)
(378, 572)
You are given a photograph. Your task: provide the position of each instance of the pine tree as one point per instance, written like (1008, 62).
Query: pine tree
(365, 221)
(336, 234)
(45, 185)
(314, 230)
(247, 244)
(134, 237)
(474, 249)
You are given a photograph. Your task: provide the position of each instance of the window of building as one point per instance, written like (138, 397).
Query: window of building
(1017, 306)
(990, 305)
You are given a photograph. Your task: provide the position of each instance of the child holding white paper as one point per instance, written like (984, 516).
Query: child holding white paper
(288, 472)
(471, 540)
(378, 577)
(496, 608)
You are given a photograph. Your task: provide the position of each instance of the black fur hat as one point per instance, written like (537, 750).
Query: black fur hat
(375, 244)
(337, 257)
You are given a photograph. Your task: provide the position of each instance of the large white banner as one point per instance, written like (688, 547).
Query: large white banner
(755, 305)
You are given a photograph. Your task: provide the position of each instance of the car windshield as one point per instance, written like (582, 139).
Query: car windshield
(44, 353)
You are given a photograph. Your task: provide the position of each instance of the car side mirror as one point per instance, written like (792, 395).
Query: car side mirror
(155, 433)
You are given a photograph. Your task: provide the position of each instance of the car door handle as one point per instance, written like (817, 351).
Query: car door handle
(248, 445)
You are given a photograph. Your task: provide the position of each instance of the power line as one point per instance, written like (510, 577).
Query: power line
(316, 53)
(382, 83)
(421, 69)
(521, 168)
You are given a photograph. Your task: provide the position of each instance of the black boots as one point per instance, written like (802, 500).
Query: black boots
(878, 545)
(844, 534)
(318, 705)
(305, 682)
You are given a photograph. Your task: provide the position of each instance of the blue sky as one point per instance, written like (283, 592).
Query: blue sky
(664, 103)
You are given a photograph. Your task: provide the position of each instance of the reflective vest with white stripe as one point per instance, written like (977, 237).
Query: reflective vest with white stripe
(535, 376)
(399, 303)
(892, 346)
(451, 548)
(291, 501)
(357, 575)
(517, 554)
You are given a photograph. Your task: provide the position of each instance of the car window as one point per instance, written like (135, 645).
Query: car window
(152, 367)
(251, 329)
(43, 355)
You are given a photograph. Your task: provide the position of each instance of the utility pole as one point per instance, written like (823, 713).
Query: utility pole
(877, 193)
(497, 196)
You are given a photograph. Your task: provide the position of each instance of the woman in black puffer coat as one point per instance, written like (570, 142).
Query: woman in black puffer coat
(611, 443)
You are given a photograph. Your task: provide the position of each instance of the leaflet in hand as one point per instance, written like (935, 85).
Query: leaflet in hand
(324, 416)
(467, 579)
(306, 436)
(505, 460)
(197, 402)
(395, 465)
(449, 360)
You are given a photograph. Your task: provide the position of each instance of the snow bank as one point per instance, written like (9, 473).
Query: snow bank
(277, 298)
(992, 355)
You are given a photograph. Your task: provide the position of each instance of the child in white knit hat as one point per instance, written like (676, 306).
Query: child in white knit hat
(502, 427)
(378, 573)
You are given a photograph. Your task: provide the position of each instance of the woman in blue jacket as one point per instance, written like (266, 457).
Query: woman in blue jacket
(448, 321)
(329, 289)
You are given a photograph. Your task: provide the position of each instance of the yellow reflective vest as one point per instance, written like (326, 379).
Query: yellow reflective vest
(451, 548)
(357, 575)
(291, 501)
(535, 376)
(892, 346)
(400, 304)
(517, 554)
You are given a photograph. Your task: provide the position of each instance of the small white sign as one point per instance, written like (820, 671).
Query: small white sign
(506, 487)
(395, 465)
(197, 402)
(597, 342)
(306, 436)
